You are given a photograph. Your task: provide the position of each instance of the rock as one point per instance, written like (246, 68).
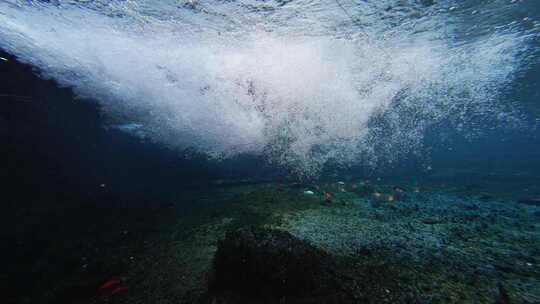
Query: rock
(399, 193)
(328, 197)
(472, 187)
(399, 189)
(190, 4)
(484, 197)
(503, 297)
(377, 199)
(298, 185)
(534, 201)
(432, 221)
(427, 2)
(273, 265)
(364, 190)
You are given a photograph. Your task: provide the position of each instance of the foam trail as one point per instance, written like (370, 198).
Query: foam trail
(298, 82)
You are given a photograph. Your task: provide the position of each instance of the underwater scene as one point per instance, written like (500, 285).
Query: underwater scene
(270, 151)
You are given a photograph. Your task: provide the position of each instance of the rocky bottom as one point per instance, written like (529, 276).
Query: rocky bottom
(339, 242)
(276, 243)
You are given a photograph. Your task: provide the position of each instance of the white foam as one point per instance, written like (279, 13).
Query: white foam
(298, 83)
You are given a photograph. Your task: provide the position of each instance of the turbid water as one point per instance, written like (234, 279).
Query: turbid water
(394, 142)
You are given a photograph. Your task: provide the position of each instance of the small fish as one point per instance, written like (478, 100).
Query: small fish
(4, 59)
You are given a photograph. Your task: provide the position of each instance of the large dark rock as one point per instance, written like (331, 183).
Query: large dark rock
(533, 201)
(267, 264)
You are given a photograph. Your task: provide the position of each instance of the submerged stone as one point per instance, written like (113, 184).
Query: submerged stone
(503, 297)
(363, 190)
(534, 201)
(272, 265)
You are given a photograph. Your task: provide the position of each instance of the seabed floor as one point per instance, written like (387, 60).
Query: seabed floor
(434, 244)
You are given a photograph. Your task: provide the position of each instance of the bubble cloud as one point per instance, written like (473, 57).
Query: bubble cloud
(299, 82)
